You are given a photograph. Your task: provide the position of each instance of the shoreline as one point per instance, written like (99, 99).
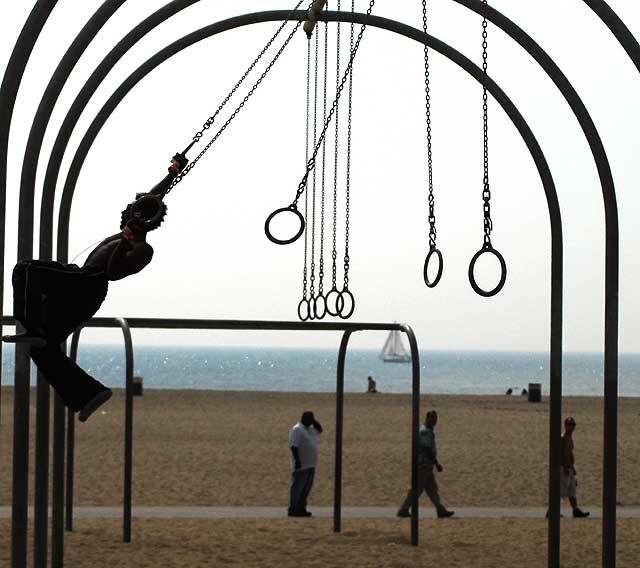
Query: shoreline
(515, 396)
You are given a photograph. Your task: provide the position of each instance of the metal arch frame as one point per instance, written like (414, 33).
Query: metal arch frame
(128, 435)
(40, 13)
(612, 270)
(8, 94)
(534, 148)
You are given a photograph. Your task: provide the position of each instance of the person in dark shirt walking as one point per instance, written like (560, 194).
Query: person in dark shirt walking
(568, 481)
(427, 461)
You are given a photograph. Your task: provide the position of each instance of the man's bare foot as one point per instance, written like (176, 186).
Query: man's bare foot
(95, 403)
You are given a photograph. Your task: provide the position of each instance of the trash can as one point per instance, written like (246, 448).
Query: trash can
(535, 392)
(137, 386)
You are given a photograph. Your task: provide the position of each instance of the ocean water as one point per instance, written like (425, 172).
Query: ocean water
(314, 370)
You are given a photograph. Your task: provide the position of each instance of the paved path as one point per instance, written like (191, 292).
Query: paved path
(347, 512)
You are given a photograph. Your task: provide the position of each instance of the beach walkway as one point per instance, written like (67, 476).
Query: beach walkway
(347, 512)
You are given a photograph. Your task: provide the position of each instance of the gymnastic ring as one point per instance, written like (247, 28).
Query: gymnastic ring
(290, 209)
(329, 299)
(147, 211)
(503, 271)
(345, 291)
(301, 315)
(425, 272)
(320, 315)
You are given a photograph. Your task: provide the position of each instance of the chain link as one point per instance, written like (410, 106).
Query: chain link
(348, 176)
(334, 250)
(427, 90)
(486, 192)
(324, 153)
(306, 149)
(312, 161)
(312, 288)
(209, 122)
(191, 164)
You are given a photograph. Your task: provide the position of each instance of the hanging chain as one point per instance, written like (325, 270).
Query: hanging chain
(486, 192)
(312, 288)
(312, 161)
(427, 90)
(306, 149)
(209, 122)
(348, 177)
(334, 251)
(324, 153)
(193, 162)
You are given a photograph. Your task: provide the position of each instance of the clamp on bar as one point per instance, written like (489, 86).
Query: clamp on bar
(312, 20)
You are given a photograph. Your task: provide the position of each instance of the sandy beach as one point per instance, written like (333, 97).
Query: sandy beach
(207, 448)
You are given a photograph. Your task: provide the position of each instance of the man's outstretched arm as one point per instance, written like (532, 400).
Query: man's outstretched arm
(178, 162)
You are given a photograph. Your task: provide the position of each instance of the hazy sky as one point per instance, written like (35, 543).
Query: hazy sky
(212, 259)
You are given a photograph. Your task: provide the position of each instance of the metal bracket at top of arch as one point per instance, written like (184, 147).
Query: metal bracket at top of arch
(316, 9)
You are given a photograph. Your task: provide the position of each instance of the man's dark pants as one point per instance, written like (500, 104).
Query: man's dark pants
(52, 300)
(301, 484)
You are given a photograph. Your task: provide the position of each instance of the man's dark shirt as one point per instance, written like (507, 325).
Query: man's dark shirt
(426, 446)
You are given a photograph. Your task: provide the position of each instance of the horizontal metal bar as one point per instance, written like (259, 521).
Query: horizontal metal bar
(173, 323)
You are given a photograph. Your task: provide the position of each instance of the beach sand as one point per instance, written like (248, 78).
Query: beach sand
(364, 543)
(230, 448)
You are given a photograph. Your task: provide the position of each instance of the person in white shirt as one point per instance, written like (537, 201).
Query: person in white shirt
(303, 442)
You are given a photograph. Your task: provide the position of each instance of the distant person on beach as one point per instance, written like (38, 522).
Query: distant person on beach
(427, 460)
(303, 442)
(509, 392)
(524, 392)
(568, 481)
(371, 385)
(51, 299)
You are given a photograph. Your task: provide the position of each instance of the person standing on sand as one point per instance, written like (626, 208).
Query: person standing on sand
(303, 442)
(427, 460)
(568, 481)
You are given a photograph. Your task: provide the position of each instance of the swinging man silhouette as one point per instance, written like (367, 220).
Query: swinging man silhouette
(51, 300)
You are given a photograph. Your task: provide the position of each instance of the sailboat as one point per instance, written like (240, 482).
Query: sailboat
(393, 350)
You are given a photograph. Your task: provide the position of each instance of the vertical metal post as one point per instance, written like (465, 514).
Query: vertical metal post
(610, 458)
(8, 91)
(41, 508)
(20, 456)
(415, 427)
(71, 431)
(71, 435)
(57, 486)
(555, 406)
(128, 430)
(337, 487)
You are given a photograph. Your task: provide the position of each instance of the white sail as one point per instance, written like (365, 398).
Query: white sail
(393, 350)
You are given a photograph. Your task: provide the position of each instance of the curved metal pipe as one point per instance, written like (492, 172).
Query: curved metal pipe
(128, 429)
(337, 476)
(415, 426)
(25, 250)
(128, 434)
(78, 106)
(610, 465)
(71, 438)
(611, 288)
(618, 29)
(8, 92)
(501, 98)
